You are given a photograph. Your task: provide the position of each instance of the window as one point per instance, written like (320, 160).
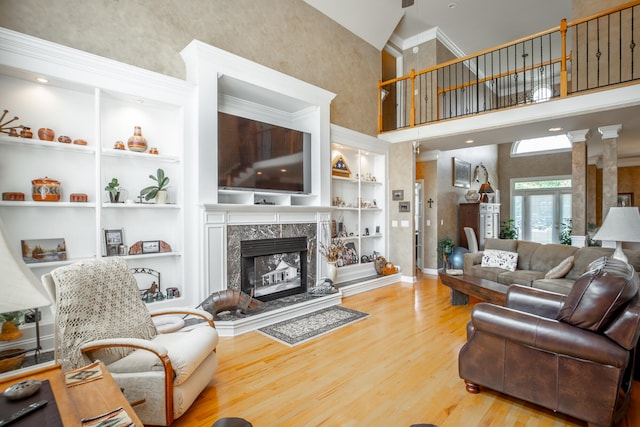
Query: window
(539, 206)
(544, 145)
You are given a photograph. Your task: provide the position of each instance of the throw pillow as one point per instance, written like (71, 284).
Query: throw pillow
(598, 295)
(501, 259)
(561, 269)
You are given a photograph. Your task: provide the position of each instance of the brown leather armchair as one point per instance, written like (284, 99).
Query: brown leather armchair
(573, 354)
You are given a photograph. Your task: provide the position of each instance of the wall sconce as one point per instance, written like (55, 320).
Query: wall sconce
(416, 147)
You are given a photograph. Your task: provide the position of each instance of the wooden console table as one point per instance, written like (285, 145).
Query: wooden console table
(464, 285)
(86, 400)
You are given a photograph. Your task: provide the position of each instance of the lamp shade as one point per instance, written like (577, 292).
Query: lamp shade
(485, 188)
(19, 287)
(622, 224)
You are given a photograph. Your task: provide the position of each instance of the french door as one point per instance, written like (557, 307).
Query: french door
(540, 212)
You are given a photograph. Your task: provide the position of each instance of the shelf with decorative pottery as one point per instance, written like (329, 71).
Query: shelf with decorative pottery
(48, 204)
(47, 145)
(141, 205)
(138, 156)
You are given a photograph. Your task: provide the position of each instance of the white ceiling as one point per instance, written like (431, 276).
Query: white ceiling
(472, 25)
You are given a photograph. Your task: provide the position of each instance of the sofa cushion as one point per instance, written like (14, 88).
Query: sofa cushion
(598, 295)
(561, 269)
(501, 259)
(487, 273)
(501, 244)
(525, 251)
(519, 277)
(548, 256)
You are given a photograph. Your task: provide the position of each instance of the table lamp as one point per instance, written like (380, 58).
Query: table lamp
(484, 190)
(19, 287)
(622, 224)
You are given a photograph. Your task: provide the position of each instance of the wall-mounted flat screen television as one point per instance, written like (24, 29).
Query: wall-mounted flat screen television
(254, 155)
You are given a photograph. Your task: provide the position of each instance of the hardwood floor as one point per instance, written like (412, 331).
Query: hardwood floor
(395, 368)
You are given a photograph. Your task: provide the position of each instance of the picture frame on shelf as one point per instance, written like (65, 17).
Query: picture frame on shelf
(113, 239)
(625, 199)
(339, 167)
(43, 250)
(461, 173)
(348, 254)
(151, 246)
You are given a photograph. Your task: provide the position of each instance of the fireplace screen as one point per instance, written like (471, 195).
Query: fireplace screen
(274, 268)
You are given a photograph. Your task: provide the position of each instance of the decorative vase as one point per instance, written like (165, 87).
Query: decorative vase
(137, 142)
(472, 196)
(46, 134)
(10, 331)
(332, 271)
(379, 263)
(161, 197)
(26, 132)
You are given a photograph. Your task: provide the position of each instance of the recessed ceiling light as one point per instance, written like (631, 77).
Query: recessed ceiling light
(555, 129)
(469, 141)
(258, 173)
(453, 5)
(283, 170)
(42, 80)
(140, 101)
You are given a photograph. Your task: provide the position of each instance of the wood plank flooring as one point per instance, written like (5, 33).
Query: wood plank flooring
(397, 367)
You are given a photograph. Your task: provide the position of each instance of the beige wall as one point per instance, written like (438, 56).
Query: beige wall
(428, 172)
(286, 35)
(401, 177)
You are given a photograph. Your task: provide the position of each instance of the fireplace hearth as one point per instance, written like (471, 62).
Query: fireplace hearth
(274, 268)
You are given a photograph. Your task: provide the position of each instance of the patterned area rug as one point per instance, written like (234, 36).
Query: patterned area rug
(306, 327)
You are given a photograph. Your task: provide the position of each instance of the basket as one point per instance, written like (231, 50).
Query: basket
(11, 362)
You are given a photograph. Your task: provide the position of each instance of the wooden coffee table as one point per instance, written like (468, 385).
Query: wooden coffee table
(464, 285)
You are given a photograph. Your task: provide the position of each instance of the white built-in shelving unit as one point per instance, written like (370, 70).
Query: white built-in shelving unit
(98, 100)
(359, 200)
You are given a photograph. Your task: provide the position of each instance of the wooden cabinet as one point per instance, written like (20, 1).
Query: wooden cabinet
(484, 218)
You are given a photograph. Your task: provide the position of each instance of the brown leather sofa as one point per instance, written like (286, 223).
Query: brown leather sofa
(571, 353)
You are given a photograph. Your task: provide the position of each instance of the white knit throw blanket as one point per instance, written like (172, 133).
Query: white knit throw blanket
(97, 299)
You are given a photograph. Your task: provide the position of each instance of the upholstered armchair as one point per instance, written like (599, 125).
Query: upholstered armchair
(573, 354)
(99, 315)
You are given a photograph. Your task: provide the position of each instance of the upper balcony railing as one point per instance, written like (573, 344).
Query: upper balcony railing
(583, 55)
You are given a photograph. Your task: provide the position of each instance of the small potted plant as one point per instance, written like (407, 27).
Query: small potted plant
(158, 191)
(10, 330)
(113, 188)
(445, 247)
(509, 230)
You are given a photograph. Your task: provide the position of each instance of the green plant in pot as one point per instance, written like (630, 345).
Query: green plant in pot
(158, 191)
(445, 247)
(113, 188)
(509, 230)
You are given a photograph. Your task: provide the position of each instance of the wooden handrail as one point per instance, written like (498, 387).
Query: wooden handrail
(505, 74)
(604, 13)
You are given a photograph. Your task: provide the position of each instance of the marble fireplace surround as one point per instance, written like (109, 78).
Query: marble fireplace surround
(227, 225)
(238, 233)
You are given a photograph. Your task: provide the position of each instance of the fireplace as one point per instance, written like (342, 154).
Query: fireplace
(274, 268)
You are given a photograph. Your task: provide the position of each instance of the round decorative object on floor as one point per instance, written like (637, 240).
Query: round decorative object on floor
(232, 422)
(456, 259)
